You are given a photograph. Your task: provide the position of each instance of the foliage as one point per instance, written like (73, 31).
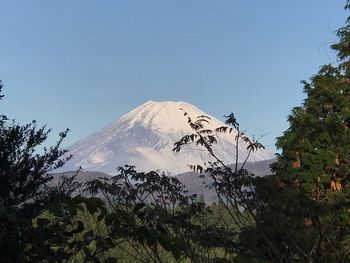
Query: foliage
(24, 187)
(152, 217)
(299, 214)
(235, 187)
(308, 198)
(149, 217)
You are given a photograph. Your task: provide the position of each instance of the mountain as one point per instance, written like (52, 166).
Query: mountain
(145, 137)
(195, 183)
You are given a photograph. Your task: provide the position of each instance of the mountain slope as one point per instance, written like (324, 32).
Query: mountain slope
(145, 137)
(195, 183)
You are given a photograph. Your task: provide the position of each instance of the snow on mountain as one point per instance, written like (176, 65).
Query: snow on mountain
(145, 137)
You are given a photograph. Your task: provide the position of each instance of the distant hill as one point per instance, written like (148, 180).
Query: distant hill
(81, 177)
(191, 180)
(196, 185)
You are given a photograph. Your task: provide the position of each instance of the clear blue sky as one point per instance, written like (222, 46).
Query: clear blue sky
(83, 64)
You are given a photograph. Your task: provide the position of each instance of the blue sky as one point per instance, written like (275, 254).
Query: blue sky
(82, 64)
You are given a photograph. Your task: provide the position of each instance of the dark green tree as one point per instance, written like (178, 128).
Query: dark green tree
(234, 185)
(307, 215)
(153, 219)
(25, 192)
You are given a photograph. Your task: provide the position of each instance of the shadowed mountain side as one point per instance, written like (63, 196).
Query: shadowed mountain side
(196, 185)
(191, 180)
(82, 177)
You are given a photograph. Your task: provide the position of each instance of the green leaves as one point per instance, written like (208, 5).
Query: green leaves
(110, 260)
(231, 121)
(94, 205)
(313, 168)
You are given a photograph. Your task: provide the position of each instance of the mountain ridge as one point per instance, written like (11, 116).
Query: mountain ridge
(194, 182)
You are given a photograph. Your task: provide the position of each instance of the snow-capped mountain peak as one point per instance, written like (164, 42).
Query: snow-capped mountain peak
(145, 137)
(162, 116)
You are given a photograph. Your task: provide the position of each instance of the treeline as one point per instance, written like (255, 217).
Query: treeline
(300, 213)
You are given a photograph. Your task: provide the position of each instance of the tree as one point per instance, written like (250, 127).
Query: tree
(24, 190)
(300, 214)
(308, 197)
(235, 187)
(153, 219)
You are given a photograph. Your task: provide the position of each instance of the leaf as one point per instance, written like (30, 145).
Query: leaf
(221, 129)
(43, 222)
(87, 251)
(223, 260)
(206, 131)
(212, 139)
(110, 260)
(199, 169)
(231, 120)
(80, 226)
(176, 253)
(203, 117)
(165, 242)
(139, 206)
(93, 204)
(178, 247)
(89, 235)
(72, 208)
